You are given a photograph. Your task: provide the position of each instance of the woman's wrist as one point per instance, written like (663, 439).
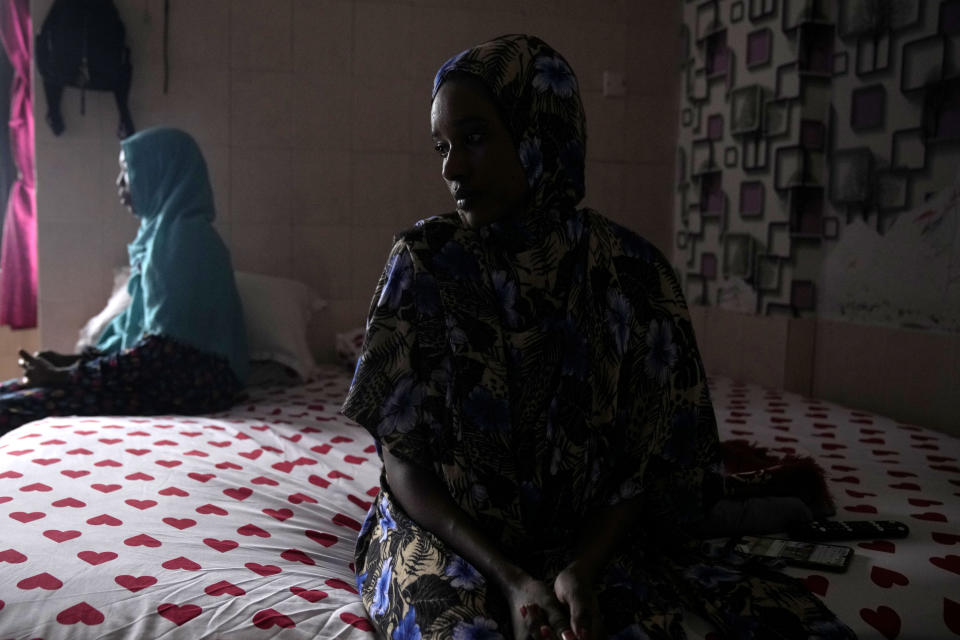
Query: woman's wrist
(509, 577)
(586, 568)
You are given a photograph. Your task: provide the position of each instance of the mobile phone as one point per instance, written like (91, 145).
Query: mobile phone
(829, 557)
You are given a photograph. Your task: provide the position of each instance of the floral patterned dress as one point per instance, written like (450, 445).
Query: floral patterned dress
(544, 366)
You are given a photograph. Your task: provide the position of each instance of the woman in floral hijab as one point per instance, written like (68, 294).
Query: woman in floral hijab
(532, 378)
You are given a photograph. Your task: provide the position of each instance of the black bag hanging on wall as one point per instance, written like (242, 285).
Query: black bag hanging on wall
(82, 44)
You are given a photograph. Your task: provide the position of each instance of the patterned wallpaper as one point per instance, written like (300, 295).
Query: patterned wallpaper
(818, 156)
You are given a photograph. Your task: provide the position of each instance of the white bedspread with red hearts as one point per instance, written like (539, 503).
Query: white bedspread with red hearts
(235, 526)
(242, 525)
(877, 469)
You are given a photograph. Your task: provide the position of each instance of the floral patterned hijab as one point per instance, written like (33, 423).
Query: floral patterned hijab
(539, 98)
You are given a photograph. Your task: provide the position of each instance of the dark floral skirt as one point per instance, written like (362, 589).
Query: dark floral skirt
(415, 587)
(156, 376)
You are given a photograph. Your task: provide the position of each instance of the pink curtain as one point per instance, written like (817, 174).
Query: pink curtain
(18, 253)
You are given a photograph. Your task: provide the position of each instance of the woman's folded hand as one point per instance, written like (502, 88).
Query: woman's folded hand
(575, 589)
(536, 612)
(39, 372)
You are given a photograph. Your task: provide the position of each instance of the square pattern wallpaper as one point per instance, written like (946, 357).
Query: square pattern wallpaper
(818, 156)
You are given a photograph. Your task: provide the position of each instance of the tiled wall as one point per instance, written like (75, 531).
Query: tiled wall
(313, 115)
(910, 375)
(11, 341)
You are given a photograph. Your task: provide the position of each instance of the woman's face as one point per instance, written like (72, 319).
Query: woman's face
(123, 184)
(480, 163)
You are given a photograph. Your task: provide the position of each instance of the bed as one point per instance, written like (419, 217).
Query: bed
(241, 524)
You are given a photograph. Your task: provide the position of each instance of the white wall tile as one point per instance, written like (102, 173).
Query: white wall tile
(322, 38)
(324, 113)
(260, 186)
(371, 248)
(647, 202)
(198, 35)
(382, 40)
(381, 108)
(606, 126)
(322, 188)
(261, 34)
(323, 257)
(261, 109)
(380, 189)
(68, 180)
(197, 101)
(604, 187)
(651, 125)
(65, 248)
(262, 248)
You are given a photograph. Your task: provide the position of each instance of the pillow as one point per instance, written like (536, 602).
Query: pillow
(349, 346)
(277, 312)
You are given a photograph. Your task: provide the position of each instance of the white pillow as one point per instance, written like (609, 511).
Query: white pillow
(277, 312)
(349, 347)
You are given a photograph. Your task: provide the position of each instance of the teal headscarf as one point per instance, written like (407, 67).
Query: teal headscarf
(181, 279)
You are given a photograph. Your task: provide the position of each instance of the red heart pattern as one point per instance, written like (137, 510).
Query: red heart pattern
(25, 517)
(884, 546)
(945, 538)
(94, 558)
(263, 569)
(135, 583)
(40, 581)
(887, 578)
(279, 514)
(310, 595)
(951, 615)
(295, 555)
(161, 499)
(356, 621)
(61, 536)
(320, 537)
(181, 562)
(817, 584)
(141, 504)
(271, 617)
(224, 588)
(12, 556)
(81, 613)
(883, 619)
(142, 540)
(221, 545)
(948, 563)
(180, 523)
(208, 509)
(106, 488)
(179, 614)
(253, 530)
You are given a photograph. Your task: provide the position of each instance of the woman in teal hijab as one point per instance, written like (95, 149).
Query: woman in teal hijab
(180, 346)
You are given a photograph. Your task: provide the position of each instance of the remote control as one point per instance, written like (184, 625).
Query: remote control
(820, 530)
